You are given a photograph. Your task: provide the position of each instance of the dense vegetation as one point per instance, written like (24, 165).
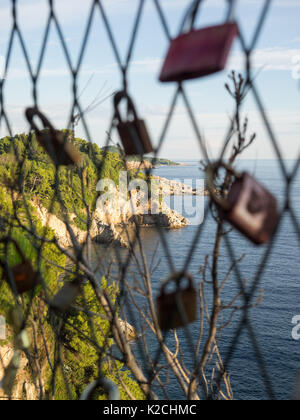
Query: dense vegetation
(41, 182)
(27, 175)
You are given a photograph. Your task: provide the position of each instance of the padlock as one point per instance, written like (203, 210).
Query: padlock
(133, 132)
(23, 274)
(55, 142)
(66, 296)
(176, 309)
(199, 53)
(249, 206)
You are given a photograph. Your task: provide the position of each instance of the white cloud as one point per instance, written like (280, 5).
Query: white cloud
(266, 59)
(276, 58)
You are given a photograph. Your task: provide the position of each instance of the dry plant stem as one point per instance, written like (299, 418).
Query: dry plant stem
(118, 376)
(214, 316)
(156, 370)
(239, 93)
(172, 361)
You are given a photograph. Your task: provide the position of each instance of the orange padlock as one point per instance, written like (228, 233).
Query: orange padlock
(133, 132)
(23, 274)
(176, 309)
(55, 142)
(249, 206)
(198, 53)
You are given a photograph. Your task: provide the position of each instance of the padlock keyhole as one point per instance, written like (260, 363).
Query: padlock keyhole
(255, 204)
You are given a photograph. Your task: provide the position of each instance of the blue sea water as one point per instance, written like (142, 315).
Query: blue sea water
(272, 320)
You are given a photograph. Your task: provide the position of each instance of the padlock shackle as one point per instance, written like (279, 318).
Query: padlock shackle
(119, 96)
(191, 14)
(176, 277)
(66, 150)
(190, 17)
(210, 175)
(34, 112)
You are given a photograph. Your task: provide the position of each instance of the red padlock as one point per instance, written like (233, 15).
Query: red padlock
(133, 132)
(199, 53)
(249, 206)
(55, 142)
(23, 274)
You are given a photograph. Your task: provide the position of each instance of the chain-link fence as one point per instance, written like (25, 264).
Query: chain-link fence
(108, 292)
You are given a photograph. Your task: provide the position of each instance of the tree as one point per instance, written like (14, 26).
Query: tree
(77, 342)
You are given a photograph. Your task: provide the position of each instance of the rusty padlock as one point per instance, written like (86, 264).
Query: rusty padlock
(55, 142)
(66, 296)
(249, 206)
(133, 132)
(176, 309)
(199, 53)
(23, 274)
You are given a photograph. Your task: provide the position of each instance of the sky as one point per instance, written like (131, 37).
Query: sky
(276, 61)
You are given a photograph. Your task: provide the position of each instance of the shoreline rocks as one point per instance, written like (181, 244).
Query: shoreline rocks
(171, 187)
(111, 218)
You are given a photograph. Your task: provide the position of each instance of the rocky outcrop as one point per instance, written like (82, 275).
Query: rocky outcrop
(139, 165)
(167, 218)
(100, 232)
(59, 227)
(117, 211)
(171, 187)
(106, 234)
(23, 388)
(110, 216)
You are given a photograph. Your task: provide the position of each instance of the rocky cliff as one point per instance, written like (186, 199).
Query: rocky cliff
(101, 231)
(171, 187)
(110, 217)
(24, 389)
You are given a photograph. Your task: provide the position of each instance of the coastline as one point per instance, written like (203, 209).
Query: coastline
(108, 224)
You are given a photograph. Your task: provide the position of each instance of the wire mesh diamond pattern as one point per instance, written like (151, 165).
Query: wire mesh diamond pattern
(80, 256)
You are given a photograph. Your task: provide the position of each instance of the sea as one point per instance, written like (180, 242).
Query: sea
(265, 359)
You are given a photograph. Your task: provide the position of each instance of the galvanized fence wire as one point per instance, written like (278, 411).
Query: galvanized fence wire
(81, 255)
